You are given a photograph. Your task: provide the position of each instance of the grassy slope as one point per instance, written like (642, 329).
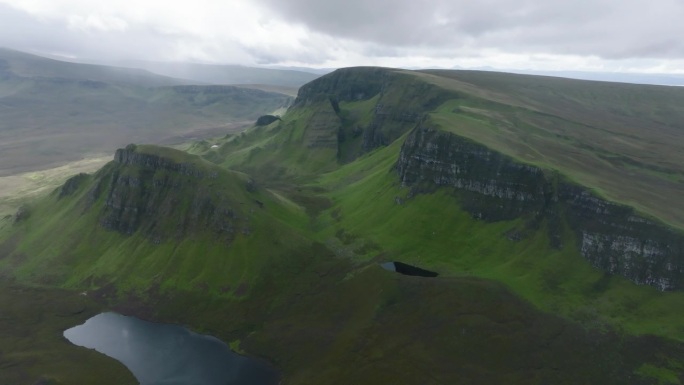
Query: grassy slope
(369, 322)
(16, 190)
(83, 255)
(32, 348)
(622, 140)
(447, 239)
(280, 150)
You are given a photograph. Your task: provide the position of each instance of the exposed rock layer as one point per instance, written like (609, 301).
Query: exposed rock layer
(493, 187)
(399, 101)
(163, 198)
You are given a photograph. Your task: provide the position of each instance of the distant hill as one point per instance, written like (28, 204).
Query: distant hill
(53, 112)
(621, 77)
(226, 74)
(25, 65)
(286, 90)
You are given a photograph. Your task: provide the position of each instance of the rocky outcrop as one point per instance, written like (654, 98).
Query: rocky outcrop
(163, 198)
(73, 184)
(399, 102)
(345, 85)
(493, 187)
(265, 120)
(617, 240)
(130, 157)
(22, 213)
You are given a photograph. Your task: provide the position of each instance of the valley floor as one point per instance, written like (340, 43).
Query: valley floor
(18, 188)
(339, 324)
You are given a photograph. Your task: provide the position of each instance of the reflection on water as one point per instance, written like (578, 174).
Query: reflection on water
(388, 266)
(159, 354)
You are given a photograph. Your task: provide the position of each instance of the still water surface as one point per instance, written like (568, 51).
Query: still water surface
(161, 354)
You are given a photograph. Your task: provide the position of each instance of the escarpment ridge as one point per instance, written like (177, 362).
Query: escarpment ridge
(492, 187)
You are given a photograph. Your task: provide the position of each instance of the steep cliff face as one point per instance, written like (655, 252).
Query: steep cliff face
(493, 187)
(396, 102)
(617, 240)
(130, 156)
(345, 85)
(164, 198)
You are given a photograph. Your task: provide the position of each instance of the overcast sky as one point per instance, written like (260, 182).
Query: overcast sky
(599, 35)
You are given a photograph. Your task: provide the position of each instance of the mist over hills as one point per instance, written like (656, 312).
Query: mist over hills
(150, 73)
(226, 74)
(23, 65)
(52, 111)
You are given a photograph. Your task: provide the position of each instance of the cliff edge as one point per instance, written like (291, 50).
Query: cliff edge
(494, 187)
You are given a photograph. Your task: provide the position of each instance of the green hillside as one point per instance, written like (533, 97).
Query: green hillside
(372, 204)
(142, 204)
(525, 194)
(622, 140)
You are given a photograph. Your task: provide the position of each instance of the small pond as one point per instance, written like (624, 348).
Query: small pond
(405, 269)
(162, 354)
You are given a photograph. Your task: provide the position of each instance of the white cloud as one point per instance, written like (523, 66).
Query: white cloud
(97, 23)
(539, 34)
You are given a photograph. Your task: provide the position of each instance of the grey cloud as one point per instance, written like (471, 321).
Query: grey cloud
(313, 50)
(357, 29)
(604, 28)
(19, 30)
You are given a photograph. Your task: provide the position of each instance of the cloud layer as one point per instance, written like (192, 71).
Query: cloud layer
(546, 34)
(605, 28)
